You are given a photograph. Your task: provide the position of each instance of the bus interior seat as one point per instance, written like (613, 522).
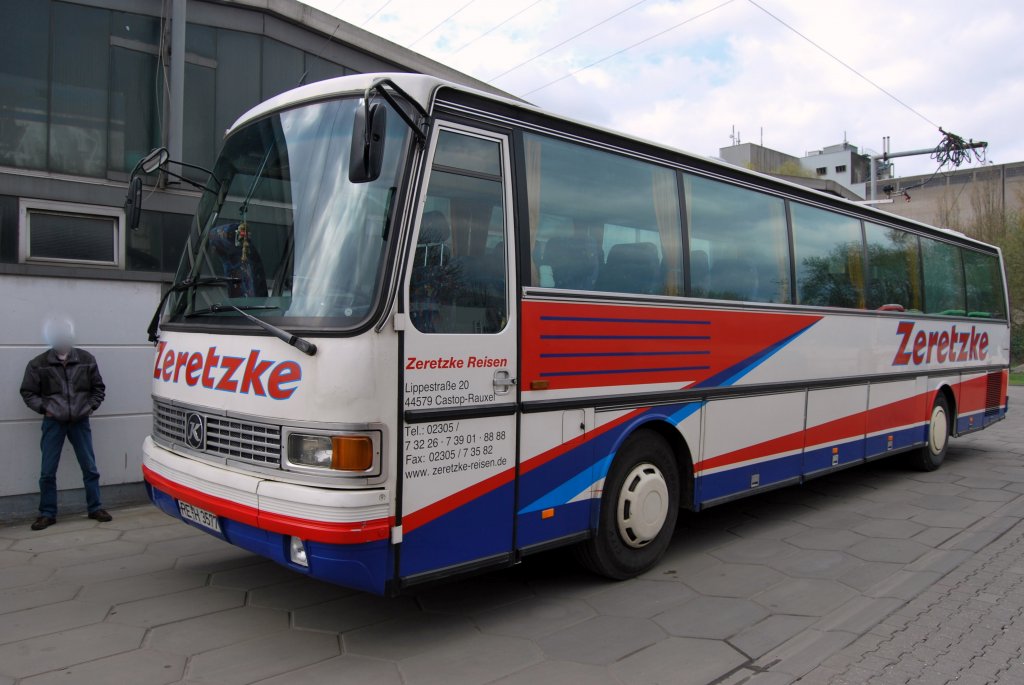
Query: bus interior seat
(699, 273)
(632, 268)
(574, 262)
(432, 248)
(734, 279)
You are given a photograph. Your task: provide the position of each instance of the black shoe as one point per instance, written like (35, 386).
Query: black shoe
(43, 522)
(101, 515)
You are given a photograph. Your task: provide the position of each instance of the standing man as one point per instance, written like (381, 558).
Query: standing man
(64, 385)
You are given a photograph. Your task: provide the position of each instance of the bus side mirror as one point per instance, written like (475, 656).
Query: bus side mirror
(133, 203)
(154, 160)
(366, 155)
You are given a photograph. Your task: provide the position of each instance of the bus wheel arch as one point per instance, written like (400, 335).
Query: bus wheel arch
(941, 423)
(639, 506)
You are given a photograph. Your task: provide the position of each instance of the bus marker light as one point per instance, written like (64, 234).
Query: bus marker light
(547, 513)
(539, 385)
(352, 453)
(297, 552)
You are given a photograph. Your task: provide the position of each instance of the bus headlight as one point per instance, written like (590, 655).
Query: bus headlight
(336, 452)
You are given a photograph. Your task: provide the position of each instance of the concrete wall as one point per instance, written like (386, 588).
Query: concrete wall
(958, 199)
(110, 319)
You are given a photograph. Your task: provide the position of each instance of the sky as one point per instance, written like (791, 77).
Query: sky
(720, 65)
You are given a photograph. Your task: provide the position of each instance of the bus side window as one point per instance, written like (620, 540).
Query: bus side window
(739, 239)
(894, 268)
(829, 253)
(944, 291)
(984, 285)
(600, 221)
(458, 277)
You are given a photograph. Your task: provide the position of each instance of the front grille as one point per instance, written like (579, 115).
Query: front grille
(225, 437)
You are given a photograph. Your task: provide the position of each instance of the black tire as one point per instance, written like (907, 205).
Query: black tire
(643, 457)
(931, 456)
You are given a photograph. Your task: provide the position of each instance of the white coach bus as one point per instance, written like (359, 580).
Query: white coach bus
(419, 330)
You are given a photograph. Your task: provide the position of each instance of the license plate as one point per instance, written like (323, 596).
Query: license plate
(204, 518)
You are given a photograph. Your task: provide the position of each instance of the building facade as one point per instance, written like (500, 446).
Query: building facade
(87, 88)
(841, 165)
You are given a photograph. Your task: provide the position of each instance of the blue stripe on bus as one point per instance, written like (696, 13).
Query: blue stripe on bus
(625, 337)
(567, 519)
(820, 458)
(877, 445)
(610, 371)
(591, 460)
(732, 374)
(598, 319)
(478, 529)
(572, 487)
(558, 355)
(362, 566)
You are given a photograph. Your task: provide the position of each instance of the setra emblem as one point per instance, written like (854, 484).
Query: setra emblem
(195, 431)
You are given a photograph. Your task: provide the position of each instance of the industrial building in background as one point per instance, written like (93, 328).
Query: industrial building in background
(88, 87)
(958, 198)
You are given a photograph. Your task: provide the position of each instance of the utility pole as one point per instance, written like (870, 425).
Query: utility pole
(886, 156)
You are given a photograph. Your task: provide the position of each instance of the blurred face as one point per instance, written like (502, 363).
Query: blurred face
(60, 334)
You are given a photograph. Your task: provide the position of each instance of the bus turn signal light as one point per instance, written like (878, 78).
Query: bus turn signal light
(352, 453)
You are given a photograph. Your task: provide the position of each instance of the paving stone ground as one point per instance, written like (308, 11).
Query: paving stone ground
(967, 628)
(874, 575)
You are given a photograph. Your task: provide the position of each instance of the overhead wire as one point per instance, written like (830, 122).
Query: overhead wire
(378, 11)
(498, 25)
(847, 66)
(627, 48)
(567, 40)
(442, 22)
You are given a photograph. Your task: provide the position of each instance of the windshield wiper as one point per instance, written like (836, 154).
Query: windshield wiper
(186, 284)
(301, 344)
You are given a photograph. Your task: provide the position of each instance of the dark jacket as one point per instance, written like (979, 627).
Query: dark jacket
(67, 391)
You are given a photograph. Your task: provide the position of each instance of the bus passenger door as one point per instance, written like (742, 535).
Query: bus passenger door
(459, 361)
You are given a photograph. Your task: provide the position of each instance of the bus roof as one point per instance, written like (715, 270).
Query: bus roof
(423, 88)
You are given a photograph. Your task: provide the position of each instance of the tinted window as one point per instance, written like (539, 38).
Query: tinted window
(158, 242)
(24, 61)
(78, 101)
(829, 254)
(894, 272)
(943, 278)
(199, 142)
(600, 221)
(134, 103)
(739, 245)
(984, 285)
(458, 273)
(238, 89)
(77, 238)
(283, 66)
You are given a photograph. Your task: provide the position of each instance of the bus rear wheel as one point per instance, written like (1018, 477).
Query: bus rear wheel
(639, 509)
(931, 456)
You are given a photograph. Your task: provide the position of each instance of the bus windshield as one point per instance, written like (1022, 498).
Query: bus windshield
(280, 228)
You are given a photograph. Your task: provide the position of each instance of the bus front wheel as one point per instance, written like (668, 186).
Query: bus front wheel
(639, 508)
(931, 456)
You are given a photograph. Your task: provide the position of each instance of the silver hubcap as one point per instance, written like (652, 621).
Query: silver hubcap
(938, 430)
(643, 505)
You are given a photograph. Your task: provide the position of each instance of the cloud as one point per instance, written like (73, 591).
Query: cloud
(739, 67)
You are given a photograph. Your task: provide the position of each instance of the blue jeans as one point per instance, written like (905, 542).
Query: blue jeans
(80, 435)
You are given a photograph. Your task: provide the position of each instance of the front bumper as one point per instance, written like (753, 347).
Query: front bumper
(346, 532)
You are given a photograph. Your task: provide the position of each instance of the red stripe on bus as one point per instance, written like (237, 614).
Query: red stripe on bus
(316, 531)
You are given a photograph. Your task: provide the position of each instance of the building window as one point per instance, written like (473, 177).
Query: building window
(841, 169)
(821, 171)
(66, 233)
